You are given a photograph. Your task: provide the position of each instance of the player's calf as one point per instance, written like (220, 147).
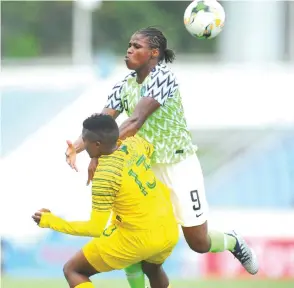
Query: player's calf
(156, 275)
(201, 240)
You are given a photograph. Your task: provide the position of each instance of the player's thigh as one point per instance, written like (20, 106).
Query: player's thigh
(185, 179)
(160, 257)
(92, 254)
(162, 242)
(120, 248)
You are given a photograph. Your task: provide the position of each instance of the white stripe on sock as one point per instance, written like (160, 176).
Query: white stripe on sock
(134, 275)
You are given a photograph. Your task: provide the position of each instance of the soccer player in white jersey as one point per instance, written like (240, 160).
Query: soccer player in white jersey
(151, 97)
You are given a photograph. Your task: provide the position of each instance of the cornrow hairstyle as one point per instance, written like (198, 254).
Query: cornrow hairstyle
(158, 40)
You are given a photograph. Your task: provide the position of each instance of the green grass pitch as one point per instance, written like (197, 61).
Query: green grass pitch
(60, 283)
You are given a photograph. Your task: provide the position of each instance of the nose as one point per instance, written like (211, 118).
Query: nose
(130, 50)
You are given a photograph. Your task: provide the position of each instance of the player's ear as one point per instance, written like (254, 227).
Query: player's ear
(155, 53)
(98, 144)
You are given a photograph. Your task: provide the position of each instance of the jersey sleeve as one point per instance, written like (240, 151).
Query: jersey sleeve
(105, 186)
(163, 85)
(106, 183)
(114, 100)
(92, 228)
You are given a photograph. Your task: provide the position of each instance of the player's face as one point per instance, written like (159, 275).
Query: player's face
(139, 53)
(93, 148)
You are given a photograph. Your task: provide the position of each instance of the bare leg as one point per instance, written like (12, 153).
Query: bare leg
(156, 275)
(78, 270)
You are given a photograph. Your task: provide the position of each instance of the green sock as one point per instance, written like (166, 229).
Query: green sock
(221, 242)
(135, 275)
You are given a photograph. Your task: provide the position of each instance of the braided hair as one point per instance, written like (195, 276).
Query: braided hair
(158, 40)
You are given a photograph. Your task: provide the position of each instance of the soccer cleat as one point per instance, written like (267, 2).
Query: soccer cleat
(244, 254)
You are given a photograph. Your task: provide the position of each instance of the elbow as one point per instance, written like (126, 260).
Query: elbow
(95, 234)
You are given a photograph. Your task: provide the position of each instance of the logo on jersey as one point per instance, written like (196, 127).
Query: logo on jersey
(143, 90)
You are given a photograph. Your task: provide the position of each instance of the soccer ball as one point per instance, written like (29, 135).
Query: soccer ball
(204, 19)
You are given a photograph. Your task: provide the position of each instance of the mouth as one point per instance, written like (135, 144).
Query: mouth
(127, 58)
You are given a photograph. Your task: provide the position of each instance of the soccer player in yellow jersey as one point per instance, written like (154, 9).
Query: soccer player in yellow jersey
(143, 228)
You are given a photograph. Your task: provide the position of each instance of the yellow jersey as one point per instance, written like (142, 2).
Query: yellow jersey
(125, 184)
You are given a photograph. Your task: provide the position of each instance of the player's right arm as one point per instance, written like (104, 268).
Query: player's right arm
(91, 228)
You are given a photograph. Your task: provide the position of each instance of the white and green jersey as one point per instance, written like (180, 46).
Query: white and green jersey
(166, 128)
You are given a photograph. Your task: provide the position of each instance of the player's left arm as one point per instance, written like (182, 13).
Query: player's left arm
(145, 107)
(157, 92)
(92, 228)
(106, 184)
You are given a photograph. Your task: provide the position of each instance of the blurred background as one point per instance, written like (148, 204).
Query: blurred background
(60, 59)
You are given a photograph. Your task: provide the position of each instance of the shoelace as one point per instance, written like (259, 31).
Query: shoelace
(241, 255)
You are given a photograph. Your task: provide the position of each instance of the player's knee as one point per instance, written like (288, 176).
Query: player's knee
(68, 269)
(199, 244)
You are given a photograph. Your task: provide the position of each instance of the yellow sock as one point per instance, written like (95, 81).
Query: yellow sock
(85, 285)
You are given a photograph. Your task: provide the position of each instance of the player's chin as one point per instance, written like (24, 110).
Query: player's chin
(131, 65)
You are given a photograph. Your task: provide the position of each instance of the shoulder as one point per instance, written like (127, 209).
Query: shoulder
(162, 84)
(131, 76)
(162, 71)
(111, 166)
(114, 99)
(160, 76)
(137, 144)
(119, 85)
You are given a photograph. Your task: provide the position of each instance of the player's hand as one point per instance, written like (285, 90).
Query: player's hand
(37, 216)
(91, 169)
(71, 155)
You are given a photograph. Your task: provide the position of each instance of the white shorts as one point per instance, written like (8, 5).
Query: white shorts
(185, 179)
